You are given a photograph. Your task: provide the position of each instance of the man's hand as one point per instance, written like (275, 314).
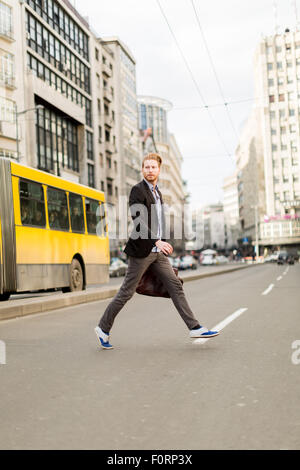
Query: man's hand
(165, 247)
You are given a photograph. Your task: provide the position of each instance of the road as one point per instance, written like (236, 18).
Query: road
(158, 389)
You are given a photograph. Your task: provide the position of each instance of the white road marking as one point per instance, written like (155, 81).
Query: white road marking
(266, 292)
(279, 278)
(222, 324)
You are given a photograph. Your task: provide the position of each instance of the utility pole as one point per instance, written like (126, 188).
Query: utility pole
(255, 207)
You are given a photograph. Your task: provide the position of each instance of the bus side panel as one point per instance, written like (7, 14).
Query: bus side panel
(1, 264)
(98, 250)
(9, 279)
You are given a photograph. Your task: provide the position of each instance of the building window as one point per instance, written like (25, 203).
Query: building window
(91, 175)
(44, 43)
(280, 81)
(97, 53)
(109, 186)
(6, 25)
(291, 112)
(271, 82)
(7, 72)
(90, 145)
(57, 141)
(281, 97)
(7, 110)
(57, 18)
(271, 99)
(279, 65)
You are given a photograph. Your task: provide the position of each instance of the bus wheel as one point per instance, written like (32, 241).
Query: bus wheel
(4, 297)
(76, 276)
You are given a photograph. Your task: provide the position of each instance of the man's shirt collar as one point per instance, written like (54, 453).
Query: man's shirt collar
(151, 186)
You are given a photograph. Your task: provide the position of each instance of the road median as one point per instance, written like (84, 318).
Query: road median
(23, 307)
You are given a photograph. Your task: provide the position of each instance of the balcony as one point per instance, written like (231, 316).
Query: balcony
(109, 147)
(107, 70)
(280, 232)
(107, 94)
(7, 34)
(8, 82)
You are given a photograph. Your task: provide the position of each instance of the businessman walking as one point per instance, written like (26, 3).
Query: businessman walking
(147, 246)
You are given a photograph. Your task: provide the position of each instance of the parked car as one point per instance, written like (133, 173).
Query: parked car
(208, 259)
(188, 262)
(221, 259)
(117, 268)
(282, 257)
(175, 262)
(290, 259)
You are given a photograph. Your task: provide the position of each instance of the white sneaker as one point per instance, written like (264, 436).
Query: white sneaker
(203, 332)
(103, 338)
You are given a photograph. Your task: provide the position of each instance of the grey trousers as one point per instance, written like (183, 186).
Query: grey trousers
(136, 268)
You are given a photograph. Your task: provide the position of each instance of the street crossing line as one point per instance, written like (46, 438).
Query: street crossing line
(279, 278)
(222, 324)
(266, 292)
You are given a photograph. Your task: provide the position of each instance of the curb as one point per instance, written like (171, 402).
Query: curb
(24, 307)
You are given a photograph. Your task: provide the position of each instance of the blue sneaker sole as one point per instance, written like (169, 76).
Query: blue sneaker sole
(204, 336)
(103, 347)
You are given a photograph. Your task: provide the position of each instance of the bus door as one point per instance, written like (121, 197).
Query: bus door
(8, 280)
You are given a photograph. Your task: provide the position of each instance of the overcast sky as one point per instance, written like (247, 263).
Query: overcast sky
(232, 29)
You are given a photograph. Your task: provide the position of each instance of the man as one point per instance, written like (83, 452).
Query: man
(148, 247)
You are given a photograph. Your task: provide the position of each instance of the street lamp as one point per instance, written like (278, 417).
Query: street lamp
(17, 114)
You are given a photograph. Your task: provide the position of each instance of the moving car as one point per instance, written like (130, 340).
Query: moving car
(272, 258)
(117, 268)
(282, 257)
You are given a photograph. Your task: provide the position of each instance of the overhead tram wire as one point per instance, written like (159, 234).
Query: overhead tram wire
(214, 70)
(194, 80)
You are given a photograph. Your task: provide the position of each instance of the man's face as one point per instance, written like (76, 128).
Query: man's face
(151, 170)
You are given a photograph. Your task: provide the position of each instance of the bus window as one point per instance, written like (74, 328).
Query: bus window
(101, 227)
(92, 215)
(58, 209)
(76, 209)
(32, 204)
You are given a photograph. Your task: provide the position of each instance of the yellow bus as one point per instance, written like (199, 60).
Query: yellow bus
(53, 232)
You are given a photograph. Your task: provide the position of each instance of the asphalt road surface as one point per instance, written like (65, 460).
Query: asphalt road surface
(158, 389)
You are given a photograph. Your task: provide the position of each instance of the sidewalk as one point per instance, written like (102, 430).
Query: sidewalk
(56, 300)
